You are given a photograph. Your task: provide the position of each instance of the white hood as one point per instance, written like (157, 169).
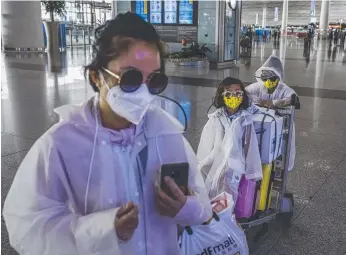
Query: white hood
(273, 64)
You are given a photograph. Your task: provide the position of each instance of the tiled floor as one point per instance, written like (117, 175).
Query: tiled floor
(30, 93)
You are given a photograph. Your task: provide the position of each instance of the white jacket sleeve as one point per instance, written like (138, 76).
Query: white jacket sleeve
(285, 98)
(253, 92)
(37, 216)
(205, 155)
(197, 208)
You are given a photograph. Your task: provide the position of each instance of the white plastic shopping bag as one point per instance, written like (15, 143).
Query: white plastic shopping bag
(222, 236)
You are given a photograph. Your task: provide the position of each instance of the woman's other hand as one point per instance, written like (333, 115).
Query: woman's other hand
(126, 221)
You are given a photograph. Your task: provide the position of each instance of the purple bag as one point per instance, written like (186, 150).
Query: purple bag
(246, 204)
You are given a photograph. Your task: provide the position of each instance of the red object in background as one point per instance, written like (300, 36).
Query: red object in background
(302, 34)
(184, 42)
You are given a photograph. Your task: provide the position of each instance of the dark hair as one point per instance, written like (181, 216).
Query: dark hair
(116, 36)
(218, 101)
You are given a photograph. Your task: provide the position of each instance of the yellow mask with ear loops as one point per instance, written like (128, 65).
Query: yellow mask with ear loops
(271, 84)
(233, 102)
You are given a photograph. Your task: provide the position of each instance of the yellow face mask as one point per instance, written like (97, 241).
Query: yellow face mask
(270, 83)
(233, 102)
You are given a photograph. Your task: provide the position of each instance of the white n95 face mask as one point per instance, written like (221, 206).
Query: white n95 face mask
(131, 106)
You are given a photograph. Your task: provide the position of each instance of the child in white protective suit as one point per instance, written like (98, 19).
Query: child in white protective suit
(228, 147)
(270, 91)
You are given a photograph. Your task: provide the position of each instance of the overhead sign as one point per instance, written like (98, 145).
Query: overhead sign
(185, 12)
(276, 14)
(170, 16)
(312, 8)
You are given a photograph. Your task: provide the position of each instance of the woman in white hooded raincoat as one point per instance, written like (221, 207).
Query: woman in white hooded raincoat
(228, 148)
(87, 186)
(270, 91)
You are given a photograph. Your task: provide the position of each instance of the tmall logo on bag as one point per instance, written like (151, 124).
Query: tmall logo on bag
(260, 130)
(272, 149)
(223, 248)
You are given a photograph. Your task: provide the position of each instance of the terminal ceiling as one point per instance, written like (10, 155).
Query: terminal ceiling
(298, 12)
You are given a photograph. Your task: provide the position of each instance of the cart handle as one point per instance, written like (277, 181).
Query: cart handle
(295, 101)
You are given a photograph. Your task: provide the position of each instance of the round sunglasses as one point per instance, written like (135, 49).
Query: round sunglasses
(131, 79)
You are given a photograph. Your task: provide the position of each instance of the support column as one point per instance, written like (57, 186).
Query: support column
(284, 17)
(237, 32)
(22, 25)
(114, 9)
(264, 18)
(324, 19)
(220, 30)
(283, 41)
(223, 23)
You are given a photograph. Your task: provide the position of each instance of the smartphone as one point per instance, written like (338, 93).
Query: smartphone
(179, 172)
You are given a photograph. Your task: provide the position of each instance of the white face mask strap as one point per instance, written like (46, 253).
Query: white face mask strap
(111, 74)
(92, 154)
(103, 80)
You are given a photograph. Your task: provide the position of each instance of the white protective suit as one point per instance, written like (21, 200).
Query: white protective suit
(257, 90)
(281, 95)
(66, 193)
(221, 151)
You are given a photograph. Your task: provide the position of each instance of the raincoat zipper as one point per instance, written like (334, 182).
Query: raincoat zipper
(142, 196)
(126, 167)
(126, 164)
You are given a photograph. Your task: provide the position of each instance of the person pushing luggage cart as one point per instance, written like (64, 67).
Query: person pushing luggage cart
(280, 102)
(270, 91)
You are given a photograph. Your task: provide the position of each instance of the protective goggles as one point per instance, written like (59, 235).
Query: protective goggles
(264, 73)
(131, 79)
(272, 79)
(230, 94)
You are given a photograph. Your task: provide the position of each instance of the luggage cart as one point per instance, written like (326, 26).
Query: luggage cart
(282, 203)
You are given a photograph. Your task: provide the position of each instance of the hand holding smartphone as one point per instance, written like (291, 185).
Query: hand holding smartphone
(171, 195)
(179, 172)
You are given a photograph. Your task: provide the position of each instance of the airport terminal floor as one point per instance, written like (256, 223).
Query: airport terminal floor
(30, 93)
